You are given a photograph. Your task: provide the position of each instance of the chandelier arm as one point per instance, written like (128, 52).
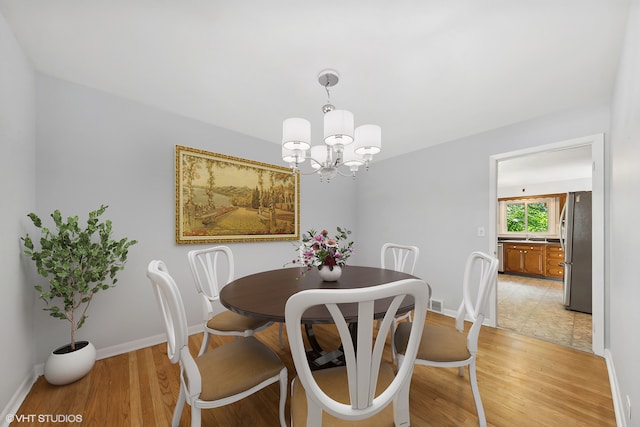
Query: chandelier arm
(345, 174)
(311, 159)
(307, 173)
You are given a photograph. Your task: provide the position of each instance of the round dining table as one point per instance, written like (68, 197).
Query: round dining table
(264, 295)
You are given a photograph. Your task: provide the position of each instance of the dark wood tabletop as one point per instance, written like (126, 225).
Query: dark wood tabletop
(264, 295)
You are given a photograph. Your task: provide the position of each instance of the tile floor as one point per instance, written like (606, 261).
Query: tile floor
(533, 307)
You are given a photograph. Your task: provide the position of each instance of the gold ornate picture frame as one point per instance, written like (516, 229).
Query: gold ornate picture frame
(222, 198)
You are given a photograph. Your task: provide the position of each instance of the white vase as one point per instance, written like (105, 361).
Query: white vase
(329, 275)
(64, 368)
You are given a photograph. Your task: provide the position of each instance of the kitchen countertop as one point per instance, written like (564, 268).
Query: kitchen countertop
(531, 242)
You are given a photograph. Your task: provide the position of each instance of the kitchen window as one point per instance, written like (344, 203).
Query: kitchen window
(531, 217)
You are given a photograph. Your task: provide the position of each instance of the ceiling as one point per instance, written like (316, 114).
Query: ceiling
(559, 165)
(427, 71)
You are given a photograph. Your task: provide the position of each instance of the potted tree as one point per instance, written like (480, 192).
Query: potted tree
(78, 263)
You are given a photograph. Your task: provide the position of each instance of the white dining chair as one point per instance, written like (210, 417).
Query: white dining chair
(448, 347)
(399, 258)
(212, 269)
(366, 388)
(221, 376)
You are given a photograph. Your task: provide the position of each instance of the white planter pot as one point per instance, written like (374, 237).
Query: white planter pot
(64, 368)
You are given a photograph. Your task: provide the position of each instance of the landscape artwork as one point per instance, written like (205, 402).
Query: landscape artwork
(221, 198)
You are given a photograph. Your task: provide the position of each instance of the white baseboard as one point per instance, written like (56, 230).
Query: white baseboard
(103, 353)
(127, 347)
(618, 402)
(454, 313)
(17, 399)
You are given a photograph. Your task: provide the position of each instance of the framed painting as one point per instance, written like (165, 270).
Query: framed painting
(221, 198)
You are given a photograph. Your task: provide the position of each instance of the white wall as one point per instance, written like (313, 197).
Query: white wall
(625, 205)
(445, 195)
(94, 148)
(17, 185)
(565, 186)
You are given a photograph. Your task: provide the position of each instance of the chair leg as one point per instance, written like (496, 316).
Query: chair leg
(476, 394)
(314, 414)
(280, 336)
(283, 395)
(205, 343)
(393, 347)
(177, 412)
(399, 361)
(196, 416)
(401, 415)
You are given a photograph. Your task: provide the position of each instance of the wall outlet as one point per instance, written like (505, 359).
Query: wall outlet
(480, 231)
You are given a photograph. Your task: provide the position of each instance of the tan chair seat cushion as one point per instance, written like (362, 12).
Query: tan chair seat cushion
(334, 382)
(229, 321)
(235, 367)
(438, 343)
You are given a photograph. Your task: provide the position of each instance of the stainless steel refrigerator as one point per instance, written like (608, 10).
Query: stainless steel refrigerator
(575, 238)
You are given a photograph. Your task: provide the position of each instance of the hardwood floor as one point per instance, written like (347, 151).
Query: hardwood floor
(523, 382)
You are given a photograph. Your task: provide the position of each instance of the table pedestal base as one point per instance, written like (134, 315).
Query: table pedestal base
(318, 357)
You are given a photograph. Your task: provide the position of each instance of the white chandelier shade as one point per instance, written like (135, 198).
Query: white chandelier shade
(368, 140)
(296, 134)
(338, 127)
(318, 156)
(350, 158)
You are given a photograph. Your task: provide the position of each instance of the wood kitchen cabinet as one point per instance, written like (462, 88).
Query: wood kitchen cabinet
(535, 259)
(554, 259)
(525, 259)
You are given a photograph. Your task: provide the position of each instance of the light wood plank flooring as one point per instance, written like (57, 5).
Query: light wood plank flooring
(523, 382)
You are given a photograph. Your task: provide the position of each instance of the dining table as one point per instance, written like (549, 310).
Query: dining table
(264, 295)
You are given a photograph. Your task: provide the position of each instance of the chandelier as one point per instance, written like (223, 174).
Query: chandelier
(344, 148)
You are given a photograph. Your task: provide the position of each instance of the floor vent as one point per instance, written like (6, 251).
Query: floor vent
(436, 305)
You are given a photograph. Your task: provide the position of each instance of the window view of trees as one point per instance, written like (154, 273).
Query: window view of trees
(527, 217)
(515, 217)
(537, 217)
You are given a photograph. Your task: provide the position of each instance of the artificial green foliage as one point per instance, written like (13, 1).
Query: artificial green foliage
(77, 262)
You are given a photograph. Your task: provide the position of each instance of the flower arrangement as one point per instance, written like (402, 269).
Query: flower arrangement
(318, 249)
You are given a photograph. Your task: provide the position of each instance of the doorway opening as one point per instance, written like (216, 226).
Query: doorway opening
(547, 290)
